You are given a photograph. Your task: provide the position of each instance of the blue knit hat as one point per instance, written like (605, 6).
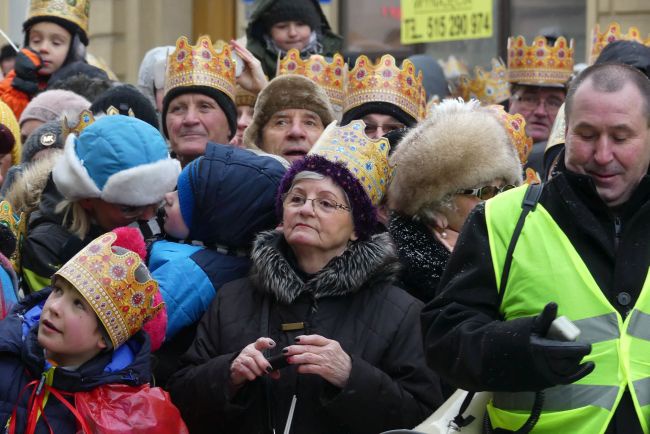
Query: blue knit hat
(118, 159)
(186, 195)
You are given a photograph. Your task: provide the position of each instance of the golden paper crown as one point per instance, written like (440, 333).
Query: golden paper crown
(611, 34)
(384, 81)
(75, 11)
(18, 226)
(365, 158)
(453, 68)
(85, 119)
(201, 65)
(515, 126)
(330, 75)
(117, 286)
(540, 64)
(489, 87)
(558, 131)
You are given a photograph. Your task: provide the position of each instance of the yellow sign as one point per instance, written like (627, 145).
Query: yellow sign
(445, 20)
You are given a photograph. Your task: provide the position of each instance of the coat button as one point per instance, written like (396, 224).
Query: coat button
(624, 298)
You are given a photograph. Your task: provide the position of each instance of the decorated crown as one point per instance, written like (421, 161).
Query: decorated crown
(489, 87)
(384, 81)
(116, 284)
(18, 225)
(86, 118)
(515, 126)
(453, 68)
(540, 64)
(76, 11)
(201, 65)
(365, 158)
(331, 76)
(611, 34)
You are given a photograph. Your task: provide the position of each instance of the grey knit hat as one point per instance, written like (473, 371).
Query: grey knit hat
(51, 104)
(46, 136)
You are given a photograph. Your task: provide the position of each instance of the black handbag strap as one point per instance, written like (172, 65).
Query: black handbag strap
(528, 204)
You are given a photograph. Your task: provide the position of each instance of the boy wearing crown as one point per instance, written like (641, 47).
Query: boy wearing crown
(56, 35)
(81, 334)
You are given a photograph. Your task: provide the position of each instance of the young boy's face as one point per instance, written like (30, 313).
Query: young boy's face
(174, 223)
(52, 42)
(69, 329)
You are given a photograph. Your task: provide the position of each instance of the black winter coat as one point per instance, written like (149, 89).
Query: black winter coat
(351, 301)
(465, 340)
(22, 361)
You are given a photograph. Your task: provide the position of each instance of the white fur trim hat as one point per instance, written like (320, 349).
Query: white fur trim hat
(118, 159)
(458, 146)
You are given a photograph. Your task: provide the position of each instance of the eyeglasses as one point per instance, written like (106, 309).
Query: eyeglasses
(385, 128)
(487, 192)
(132, 212)
(326, 206)
(531, 102)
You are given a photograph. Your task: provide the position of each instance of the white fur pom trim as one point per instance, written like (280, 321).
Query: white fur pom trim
(142, 185)
(71, 177)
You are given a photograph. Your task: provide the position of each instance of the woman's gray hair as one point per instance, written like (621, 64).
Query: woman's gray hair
(308, 174)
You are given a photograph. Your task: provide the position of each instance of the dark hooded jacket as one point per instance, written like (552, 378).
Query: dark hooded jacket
(255, 31)
(234, 197)
(352, 301)
(22, 361)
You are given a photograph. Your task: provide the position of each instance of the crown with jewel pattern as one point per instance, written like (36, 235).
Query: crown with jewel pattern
(330, 75)
(611, 34)
(489, 87)
(117, 285)
(453, 68)
(384, 81)
(86, 118)
(515, 126)
(201, 65)
(540, 64)
(75, 11)
(366, 159)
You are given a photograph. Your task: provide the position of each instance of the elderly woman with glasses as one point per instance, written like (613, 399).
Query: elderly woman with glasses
(115, 173)
(457, 158)
(317, 339)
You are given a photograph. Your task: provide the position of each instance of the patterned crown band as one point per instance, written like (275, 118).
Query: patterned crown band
(365, 158)
(75, 11)
(330, 75)
(384, 81)
(114, 284)
(489, 87)
(515, 126)
(201, 65)
(85, 119)
(611, 34)
(540, 64)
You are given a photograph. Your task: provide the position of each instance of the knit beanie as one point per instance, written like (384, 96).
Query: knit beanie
(186, 196)
(282, 93)
(225, 102)
(118, 159)
(46, 136)
(378, 107)
(51, 104)
(125, 97)
(292, 10)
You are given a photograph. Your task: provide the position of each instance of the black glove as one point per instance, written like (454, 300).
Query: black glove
(28, 63)
(557, 361)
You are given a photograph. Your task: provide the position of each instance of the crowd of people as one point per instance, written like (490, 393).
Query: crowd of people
(261, 237)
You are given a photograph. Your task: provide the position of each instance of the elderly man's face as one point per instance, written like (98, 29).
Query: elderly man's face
(539, 106)
(608, 139)
(192, 120)
(291, 133)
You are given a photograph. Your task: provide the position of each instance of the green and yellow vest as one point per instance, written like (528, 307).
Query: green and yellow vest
(546, 267)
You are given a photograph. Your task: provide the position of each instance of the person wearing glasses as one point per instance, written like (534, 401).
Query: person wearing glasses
(320, 301)
(115, 173)
(538, 74)
(455, 159)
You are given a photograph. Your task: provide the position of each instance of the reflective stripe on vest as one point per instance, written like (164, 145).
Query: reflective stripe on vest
(546, 267)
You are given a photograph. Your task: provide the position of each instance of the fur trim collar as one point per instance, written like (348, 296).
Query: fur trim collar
(363, 264)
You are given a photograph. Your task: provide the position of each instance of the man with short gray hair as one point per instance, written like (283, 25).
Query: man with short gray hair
(583, 251)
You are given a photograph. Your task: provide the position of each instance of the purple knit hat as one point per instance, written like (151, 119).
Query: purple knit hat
(364, 214)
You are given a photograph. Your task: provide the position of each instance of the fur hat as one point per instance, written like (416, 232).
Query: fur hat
(118, 159)
(459, 146)
(126, 97)
(283, 93)
(51, 104)
(292, 10)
